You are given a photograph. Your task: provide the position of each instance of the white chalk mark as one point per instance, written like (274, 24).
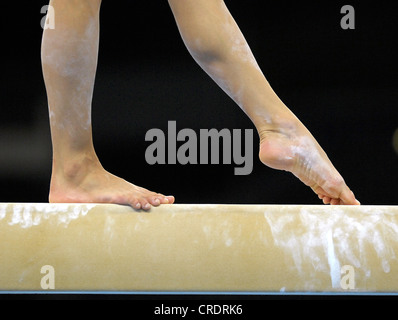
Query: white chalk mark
(334, 263)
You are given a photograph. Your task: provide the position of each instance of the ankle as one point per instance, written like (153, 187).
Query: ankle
(281, 128)
(76, 168)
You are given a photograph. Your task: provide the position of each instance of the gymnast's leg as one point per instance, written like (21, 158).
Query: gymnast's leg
(69, 61)
(214, 40)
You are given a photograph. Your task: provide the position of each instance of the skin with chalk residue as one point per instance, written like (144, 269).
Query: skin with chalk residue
(69, 61)
(216, 43)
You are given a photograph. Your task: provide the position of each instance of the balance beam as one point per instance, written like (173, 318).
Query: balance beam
(198, 248)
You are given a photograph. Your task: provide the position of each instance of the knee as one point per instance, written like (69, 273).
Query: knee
(202, 44)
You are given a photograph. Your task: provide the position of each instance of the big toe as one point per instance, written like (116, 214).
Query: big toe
(348, 197)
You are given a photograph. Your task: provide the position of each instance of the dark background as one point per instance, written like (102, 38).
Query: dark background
(342, 84)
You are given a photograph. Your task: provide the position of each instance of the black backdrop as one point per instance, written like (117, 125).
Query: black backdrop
(340, 83)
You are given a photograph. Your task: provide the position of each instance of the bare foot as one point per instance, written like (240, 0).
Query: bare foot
(296, 151)
(88, 182)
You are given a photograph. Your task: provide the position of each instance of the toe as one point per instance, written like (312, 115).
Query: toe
(154, 201)
(326, 200)
(166, 199)
(145, 205)
(348, 197)
(136, 205)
